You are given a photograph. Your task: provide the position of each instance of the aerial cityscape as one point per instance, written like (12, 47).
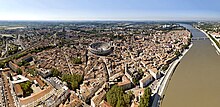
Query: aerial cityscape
(99, 54)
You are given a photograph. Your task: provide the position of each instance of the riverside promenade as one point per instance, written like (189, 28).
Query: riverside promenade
(164, 81)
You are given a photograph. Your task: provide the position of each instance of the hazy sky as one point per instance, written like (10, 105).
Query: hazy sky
(109, 9)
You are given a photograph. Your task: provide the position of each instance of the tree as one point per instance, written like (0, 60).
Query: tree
(177, 53)
(77, 60)
(73, 80)
(74, 85)
(55, 72)
(127, 99)
(120, 103)
(113, 94)
(165, 67)
(20, 63)
(23, 63)
(186, 46)
(138, 77)
(145, 99)
(26, 87)
(19, 71)
(13, 50)
(135, 80)
(2, 65)
(117, 98)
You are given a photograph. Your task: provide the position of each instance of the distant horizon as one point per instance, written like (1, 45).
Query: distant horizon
(94, 20)
(86, 10)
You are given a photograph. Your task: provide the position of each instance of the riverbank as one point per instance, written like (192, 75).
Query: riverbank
(213, 42)
(194, 82)
(166, 78)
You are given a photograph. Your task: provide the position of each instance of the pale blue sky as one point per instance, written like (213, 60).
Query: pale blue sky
(109, 9)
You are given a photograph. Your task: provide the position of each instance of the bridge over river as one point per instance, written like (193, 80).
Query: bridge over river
(200, 38)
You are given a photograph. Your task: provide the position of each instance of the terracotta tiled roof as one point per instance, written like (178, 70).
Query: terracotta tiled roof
(18, 89)
(41, 83)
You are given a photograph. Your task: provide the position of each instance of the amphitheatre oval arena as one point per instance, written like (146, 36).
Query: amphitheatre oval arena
(100, 48)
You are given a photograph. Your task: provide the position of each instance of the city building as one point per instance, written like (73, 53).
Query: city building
(44, 72)
(13, 66)
(146, 80)
(98, 97)
(155, 73)
(18, 90)
(125, 84)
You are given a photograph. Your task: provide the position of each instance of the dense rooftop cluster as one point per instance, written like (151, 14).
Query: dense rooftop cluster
(62, 65)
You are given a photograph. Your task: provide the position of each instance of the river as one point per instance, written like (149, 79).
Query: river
(196, 80)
